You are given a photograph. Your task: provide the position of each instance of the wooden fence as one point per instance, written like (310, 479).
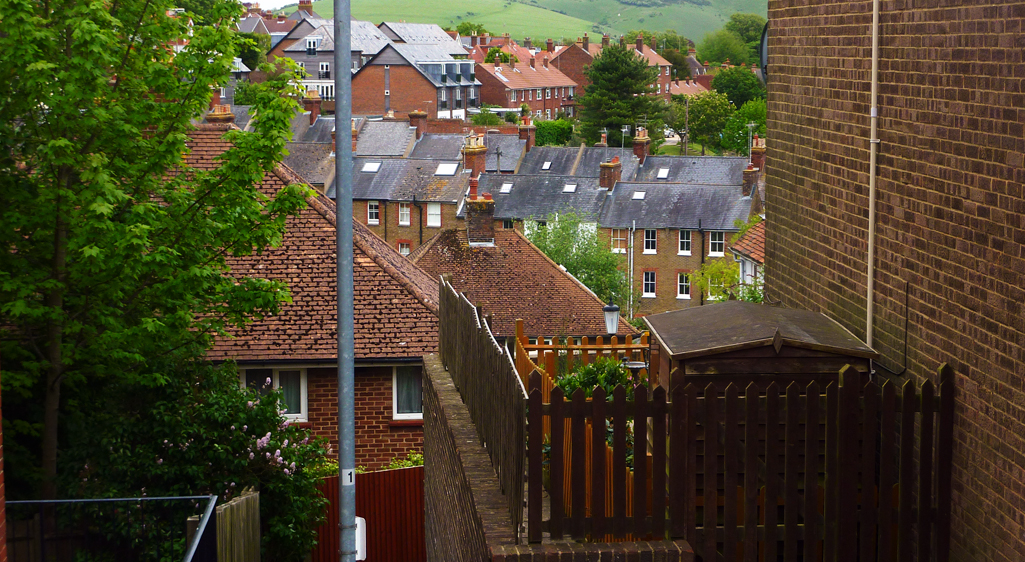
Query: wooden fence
(392, 502)
(238, 528)
(851, 473)
(485, 375)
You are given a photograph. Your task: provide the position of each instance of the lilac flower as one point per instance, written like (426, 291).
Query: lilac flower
(160, 461)
(250, 403)
(286, 472)
(277, 453)
(292, 466)
(267, 382)
(245, 428)
(285, 444)
(233, 428)
(251, 455)
(268, 455)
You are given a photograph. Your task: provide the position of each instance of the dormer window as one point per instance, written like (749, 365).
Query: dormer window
(638, 195)
(311, 46)
(663, 173)
(446, 169)
(546, 166)
(506, 188)
(569, 188)
(371, 167)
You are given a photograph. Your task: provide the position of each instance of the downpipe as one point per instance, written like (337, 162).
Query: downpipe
(872, 171)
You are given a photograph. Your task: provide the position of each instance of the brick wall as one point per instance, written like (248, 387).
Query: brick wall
(379, 439)
(950, 223)
(494, 91)
(408, 91)
(388, 222)
(572, 62)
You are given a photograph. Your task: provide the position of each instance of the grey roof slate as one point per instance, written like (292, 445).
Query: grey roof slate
(423, 52)
(320, 130)
(398, 180)
(707, 170)
(563, 160)
(312, 161)
(423, 33)
(446, 146)
(367, 38)
(675, 205)
(538, 196)
(592, 157)
(385, 138)
(325, 30)
(511, 148)
(242, 115)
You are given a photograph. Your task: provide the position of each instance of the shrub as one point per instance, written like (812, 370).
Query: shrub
(605, 372)
(557, 132)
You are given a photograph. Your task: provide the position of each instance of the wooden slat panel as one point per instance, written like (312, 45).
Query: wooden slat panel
(944, 460)
(887, 471)
(792, 498)
(658, 464)
(771, 470)
(679, 440)
(905, 532)
(925, 464)
(598, 452)
(832, 445)
(731, 452)
(710, 515)
(812, 530)
(535, 446)
(578, 465)
(771, 367)
(751, 487)
(847, 531)
(619, 461)
(640, 509)
(869, 431)
(557, 465)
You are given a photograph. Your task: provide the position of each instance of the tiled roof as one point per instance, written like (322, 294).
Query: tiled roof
(577, 161)
(706, 170)
(752, 243)
(675, 205)
(385, 138)
(686, 88)
(319, 131)
(513, 279)
(540, 196)
(395, 301)
(398, 179)
(523, 76)
(275, 25)
(653, 58)
(312, 161)
(367, 38)
(444, 146)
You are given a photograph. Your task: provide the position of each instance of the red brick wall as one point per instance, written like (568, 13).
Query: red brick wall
(950, 223)
(493, 91)
(389, 229)
(408, 91)
(458, 126)
(572, 62)
(379, 439)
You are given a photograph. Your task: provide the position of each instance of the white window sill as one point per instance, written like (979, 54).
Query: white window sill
(683, 253)
(648, 296)
(404, 417)
(683, 297)
(373, 223)
(618, 250)
(403, 224)
(650, 252)
(434, 226)
(715, 254)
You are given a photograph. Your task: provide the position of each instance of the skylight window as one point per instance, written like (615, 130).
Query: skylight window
(638, 195)
(506, 188)
(663, 173)
(569, 188)
(546, 166)
(446, 169)
(371, 167)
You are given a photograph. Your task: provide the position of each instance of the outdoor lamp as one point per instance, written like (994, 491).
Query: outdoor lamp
(611, 318)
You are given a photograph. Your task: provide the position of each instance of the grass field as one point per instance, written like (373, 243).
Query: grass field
(540, 19)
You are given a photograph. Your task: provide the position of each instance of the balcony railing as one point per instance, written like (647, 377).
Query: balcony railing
(324, 75)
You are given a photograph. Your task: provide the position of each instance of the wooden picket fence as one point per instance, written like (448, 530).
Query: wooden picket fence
(852, 473)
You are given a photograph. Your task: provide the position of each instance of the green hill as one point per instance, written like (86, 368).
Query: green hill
(540, 19)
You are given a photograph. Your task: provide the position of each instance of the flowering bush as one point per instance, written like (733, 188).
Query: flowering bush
(199, 433)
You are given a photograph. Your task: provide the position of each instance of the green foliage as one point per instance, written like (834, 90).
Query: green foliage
(716, 279)
(616, 95)
(585, 255)
(114, 249)
(749, 28)
(681, 68)
(414, 458)
(468, 28)
(734, 135)
(709, 113)
(512, 117)
(245, 93)
(664, 40)
(486, 118)
(606, 372)
(197, 434)
(722, 45)
(739, 84)
(556, 132)
(253, 48)
(494, 53)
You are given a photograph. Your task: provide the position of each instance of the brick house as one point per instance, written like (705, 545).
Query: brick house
(395, 324)
(574, 59)
(541, 86)
(948, 260)
(749, 253)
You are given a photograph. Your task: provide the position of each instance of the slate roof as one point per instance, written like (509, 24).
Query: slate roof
(525, 77)
(706, 170)
(429, 33)
(674, 205)
(312, 161)
(385, 138)
(564, 161)
(591, 158)
(252, 24)
(512, 150)
(367, 38)
(320, 130)
(396, 303)
(538, 196)
(513, 279)
(442, 146)
(448, 146)
(398, 179)
(752, 244)
(326, 30)
(423, 52)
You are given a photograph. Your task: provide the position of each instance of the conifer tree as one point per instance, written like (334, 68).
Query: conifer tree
(617, 95)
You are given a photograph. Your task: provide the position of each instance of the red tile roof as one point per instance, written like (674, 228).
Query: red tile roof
(752, 243)
(523, 76)
(396, 302)
(513, 279)
(686, 87)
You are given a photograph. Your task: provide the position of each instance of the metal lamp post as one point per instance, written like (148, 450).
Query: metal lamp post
(611, 318)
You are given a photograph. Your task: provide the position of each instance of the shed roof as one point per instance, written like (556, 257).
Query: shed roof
(385, 138)
(736, 325)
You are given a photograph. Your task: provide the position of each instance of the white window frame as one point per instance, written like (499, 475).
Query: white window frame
(685, 243)
(373, 213)
(650, 242)
(663, 174)
(506, 187)
(404, 214)
(645, 293)
(304, 407)
(683, 286)
(548, 93)
(547, 165)
(434, 215)
(548, 113)
(371, 167)
(394, 397)
(325, 67)
(716, 244)
(513, 95)
(408, 248)
(619, 240)
(539, 93)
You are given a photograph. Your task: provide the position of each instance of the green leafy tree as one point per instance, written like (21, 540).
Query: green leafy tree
(719, 279)
(709, 113)
(735, 133)
(616, 95)
(253, 48)
(512, 117)
(722, 45)
(113, 248)
(681, 68)
(494, 53)
(749, 28)
(556, 132)
(585, 255)
(739, 84)
(486, 118)
(468, 28)
(664, 40)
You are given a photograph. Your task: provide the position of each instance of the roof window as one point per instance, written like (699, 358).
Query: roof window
(663, 173)
(371, 167)
(546, 166)
(638, 195)
(569, 188)
(446, 169)
(506, 188)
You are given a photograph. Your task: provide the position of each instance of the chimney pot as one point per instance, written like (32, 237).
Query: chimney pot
(604, 40)
(512, 63)
(640, 42)
(531, 62)
(473, 189)
(527, 44)
(544, 61)
(480, 220)
(487, 197)
(550, 45)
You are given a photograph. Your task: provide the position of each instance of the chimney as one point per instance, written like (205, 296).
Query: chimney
(544, 61)
(750, 178)
(758, 152)
(215, 99)
(473, 39)
(550, 46)
(622, 41)
(353, 138)
(527, 44)
(531, 62)
(527, 132)
(654, 43)
(334, 146)
(604, 40)
(312, 103)
(418, 119)
(480, 219)
(587, 43)
(512, 63)
(498, 63)
(610, 173)
(640, 42)
(220, 114)
(306, 5)
(281, 17)
(604, 140)
(473, 188)
(641, 144)
(474, 154)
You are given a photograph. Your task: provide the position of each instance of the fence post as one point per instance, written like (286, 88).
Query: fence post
(847, 529)
(534, 469)
(944, 458)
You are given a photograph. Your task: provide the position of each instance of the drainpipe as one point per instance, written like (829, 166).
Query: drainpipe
(633, 228)
(701, 233)
(873, 152)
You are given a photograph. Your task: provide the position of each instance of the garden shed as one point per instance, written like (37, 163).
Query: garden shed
(742, 342)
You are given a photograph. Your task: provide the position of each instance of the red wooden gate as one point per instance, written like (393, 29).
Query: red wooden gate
(392, 502)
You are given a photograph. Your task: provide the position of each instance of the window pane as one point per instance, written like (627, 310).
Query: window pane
(408, 391)
(290, 384)
(257, 378)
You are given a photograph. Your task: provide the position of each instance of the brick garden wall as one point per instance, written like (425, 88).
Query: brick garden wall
(951, 214)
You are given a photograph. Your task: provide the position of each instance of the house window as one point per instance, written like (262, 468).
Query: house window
(403, 214)
(650, 241)
(513, 98)
(548, 93)
(682, 286)
(407, 393)
(291, 382)
(507, 224)
(446, 169)
(434, 215)
(444, 94)
(311, 46)
(546, 166)
(325, 71)
(684, 243)
(716, 244)
(373, 212)
(618, 240)
(539, 93)
(506, 187)
(404, 248)
(548, 113)
(530, 95)
(571, 91)
(638, 195)
(648, 288)
(659, 89)
(569, 188)
(538, 113)
(716, 291)
(302, 69)
(371, 167)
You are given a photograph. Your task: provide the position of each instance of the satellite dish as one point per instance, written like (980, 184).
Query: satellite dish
(763, 53)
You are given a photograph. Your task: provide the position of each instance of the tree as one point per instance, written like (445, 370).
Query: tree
(749, 28)
(253, 48)
(113, 248)
(681, 68)
(617, 94)
(556, 132)
(468, 28)
(709, 112)
(719, 279)
(486, 118)
(494, 53)
(735, 133)
(722, 45)
(739, 84)
(576, 245)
